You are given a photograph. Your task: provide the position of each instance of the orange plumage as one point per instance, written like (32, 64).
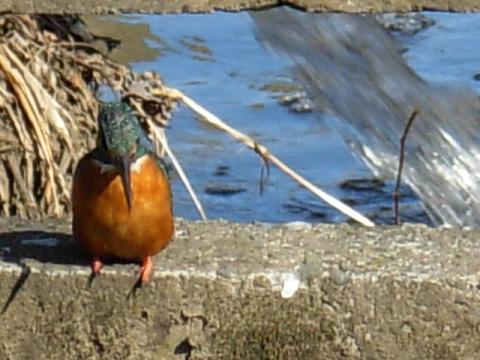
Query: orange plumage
(102, 222)
(122, 212)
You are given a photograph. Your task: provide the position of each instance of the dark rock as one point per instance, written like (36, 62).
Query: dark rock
(221, 170)
(404, 23)
(363, 184)
(224, 189)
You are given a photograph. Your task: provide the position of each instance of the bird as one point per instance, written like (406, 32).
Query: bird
(121, 196)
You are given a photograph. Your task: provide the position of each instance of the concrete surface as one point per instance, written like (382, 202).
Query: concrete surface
(230, 291)
(179, 6)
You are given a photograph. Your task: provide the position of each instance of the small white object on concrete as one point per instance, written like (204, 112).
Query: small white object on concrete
(290, 284)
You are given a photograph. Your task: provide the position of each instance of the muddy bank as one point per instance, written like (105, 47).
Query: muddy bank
(230, 291)
(126, 6)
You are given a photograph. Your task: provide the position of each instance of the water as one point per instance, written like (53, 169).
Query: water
(354, 72)
(444, 54)
(226, 73)
(216, 60)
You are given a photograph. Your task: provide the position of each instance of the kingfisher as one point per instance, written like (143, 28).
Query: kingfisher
(122, 200)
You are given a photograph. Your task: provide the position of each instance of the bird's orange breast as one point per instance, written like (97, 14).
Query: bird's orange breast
(102, 222)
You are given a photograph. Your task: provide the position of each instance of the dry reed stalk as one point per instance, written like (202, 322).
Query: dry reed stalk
(4, 195)
(211, 119)
(164, 143)
(51, 108)
(29, 106)
(48, 82)
(162, 148)
(39, 98)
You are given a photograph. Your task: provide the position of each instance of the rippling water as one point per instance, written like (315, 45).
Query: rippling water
(353, 70)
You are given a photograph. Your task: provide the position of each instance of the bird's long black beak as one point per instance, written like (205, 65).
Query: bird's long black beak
(124, 170)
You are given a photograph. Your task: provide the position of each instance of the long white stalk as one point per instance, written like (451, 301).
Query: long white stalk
(210, 118)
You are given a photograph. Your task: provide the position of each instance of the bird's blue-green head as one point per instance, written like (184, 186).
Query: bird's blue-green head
(119, 135)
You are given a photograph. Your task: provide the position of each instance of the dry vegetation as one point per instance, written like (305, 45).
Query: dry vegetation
(48, 105)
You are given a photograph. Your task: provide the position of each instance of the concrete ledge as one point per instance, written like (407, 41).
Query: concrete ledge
(188, 6)
(230, 291)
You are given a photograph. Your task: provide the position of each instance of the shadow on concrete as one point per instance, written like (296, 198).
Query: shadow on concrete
(53, 247)
(42, 246)
(46, 247)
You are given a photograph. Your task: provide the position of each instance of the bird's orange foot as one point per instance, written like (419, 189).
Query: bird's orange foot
(146, 269)
(96, 265)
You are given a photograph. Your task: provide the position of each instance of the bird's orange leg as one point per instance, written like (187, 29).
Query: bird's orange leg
(96, 265)
(146, 269)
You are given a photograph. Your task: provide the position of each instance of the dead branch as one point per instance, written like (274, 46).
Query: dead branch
(401, 160)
